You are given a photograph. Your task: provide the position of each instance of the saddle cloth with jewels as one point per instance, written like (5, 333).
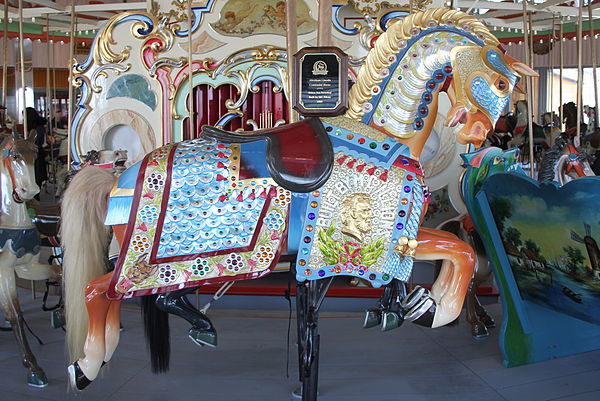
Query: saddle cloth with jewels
(193, 220)
(363, 222)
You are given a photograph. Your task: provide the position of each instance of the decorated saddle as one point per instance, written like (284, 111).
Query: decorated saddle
(363, 221)
(207, 211)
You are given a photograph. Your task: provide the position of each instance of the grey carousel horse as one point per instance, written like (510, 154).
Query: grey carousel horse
(19, 241)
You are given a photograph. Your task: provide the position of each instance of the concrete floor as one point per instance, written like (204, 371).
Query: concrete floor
(410, 363)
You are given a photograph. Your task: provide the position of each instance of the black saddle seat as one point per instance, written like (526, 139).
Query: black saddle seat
(299, 155)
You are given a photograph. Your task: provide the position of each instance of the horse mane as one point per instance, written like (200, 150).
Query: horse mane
(382, 56)
(550, 159)
(547, 168)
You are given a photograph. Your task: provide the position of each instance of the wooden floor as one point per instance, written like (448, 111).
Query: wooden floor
(410, 363)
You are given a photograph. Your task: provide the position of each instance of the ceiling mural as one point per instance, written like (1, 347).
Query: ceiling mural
(245, 18)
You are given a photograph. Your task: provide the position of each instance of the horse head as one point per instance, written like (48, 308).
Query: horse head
(426, 53)
(484, 163)
(564, 162)
(17, 173)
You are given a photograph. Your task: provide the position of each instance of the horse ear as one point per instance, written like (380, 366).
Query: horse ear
(523, 69)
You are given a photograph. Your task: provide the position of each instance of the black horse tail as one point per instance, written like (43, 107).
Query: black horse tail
(156, 329)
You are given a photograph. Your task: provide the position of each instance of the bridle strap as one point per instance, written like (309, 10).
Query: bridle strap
(574, 164)
(6, 161)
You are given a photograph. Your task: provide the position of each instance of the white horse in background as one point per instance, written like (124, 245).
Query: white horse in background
(19, 241)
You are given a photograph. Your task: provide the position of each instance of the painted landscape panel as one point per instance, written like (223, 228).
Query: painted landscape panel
(550, 238)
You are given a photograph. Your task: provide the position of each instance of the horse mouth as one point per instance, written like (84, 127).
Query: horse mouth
(120, 163)
(456, 115)
(17, 198)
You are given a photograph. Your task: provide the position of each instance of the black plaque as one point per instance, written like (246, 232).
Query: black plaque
(320, 81)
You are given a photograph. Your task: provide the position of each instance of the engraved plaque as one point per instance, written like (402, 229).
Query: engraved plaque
(320, 81)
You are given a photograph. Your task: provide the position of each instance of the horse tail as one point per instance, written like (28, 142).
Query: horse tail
(156, 329)
(84, 239)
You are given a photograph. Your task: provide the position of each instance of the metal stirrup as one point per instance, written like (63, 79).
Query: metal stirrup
(220, 292)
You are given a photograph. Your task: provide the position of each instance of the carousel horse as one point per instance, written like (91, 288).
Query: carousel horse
(564, 162)
(569, 116)
(518, 126)
(345, 193)
(480, 165)
(20, 242)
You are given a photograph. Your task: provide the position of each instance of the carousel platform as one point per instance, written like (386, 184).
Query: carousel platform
(410, 363)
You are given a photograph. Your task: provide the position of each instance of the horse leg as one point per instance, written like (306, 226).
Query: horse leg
(484, 317)
(448, 292)
(175, 302)
(112, 331)
(86, 369)
(478, 328)
(12, 312)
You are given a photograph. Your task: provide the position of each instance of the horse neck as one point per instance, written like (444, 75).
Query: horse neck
(417, 142)
(12, 214)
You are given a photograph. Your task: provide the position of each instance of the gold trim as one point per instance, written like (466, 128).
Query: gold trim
(116, 191)
(356, 126)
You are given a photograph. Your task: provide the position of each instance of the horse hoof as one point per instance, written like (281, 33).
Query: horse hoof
(372, 318)
(488, 321)
(203, 337)
(77, 378)
(57, 319)
(479, 331)
(6, 326)
(37, 379)
(391, 320)
(420, 307)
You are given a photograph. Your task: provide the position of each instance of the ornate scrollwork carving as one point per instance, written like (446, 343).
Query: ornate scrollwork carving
(101, 72)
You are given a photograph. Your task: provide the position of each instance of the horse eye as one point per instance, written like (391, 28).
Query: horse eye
(501, 84)
(16, 156)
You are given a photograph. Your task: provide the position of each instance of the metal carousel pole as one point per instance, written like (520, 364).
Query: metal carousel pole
(191, 124)
(5, 63)
(579, 101)
(560, 75)
(292, 48)
(22, 62)
(528, 89)
(71, 109)
(593, 53)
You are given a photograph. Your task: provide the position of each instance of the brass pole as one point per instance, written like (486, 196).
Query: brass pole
(593, 46)
(292, 48)
(551, 69)
(529, 88)
(192, 134)
(560, 75)
(324, 29)
(49, 105)
(5, 57)
(21, 54)
(71, 109)
(579, 101)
